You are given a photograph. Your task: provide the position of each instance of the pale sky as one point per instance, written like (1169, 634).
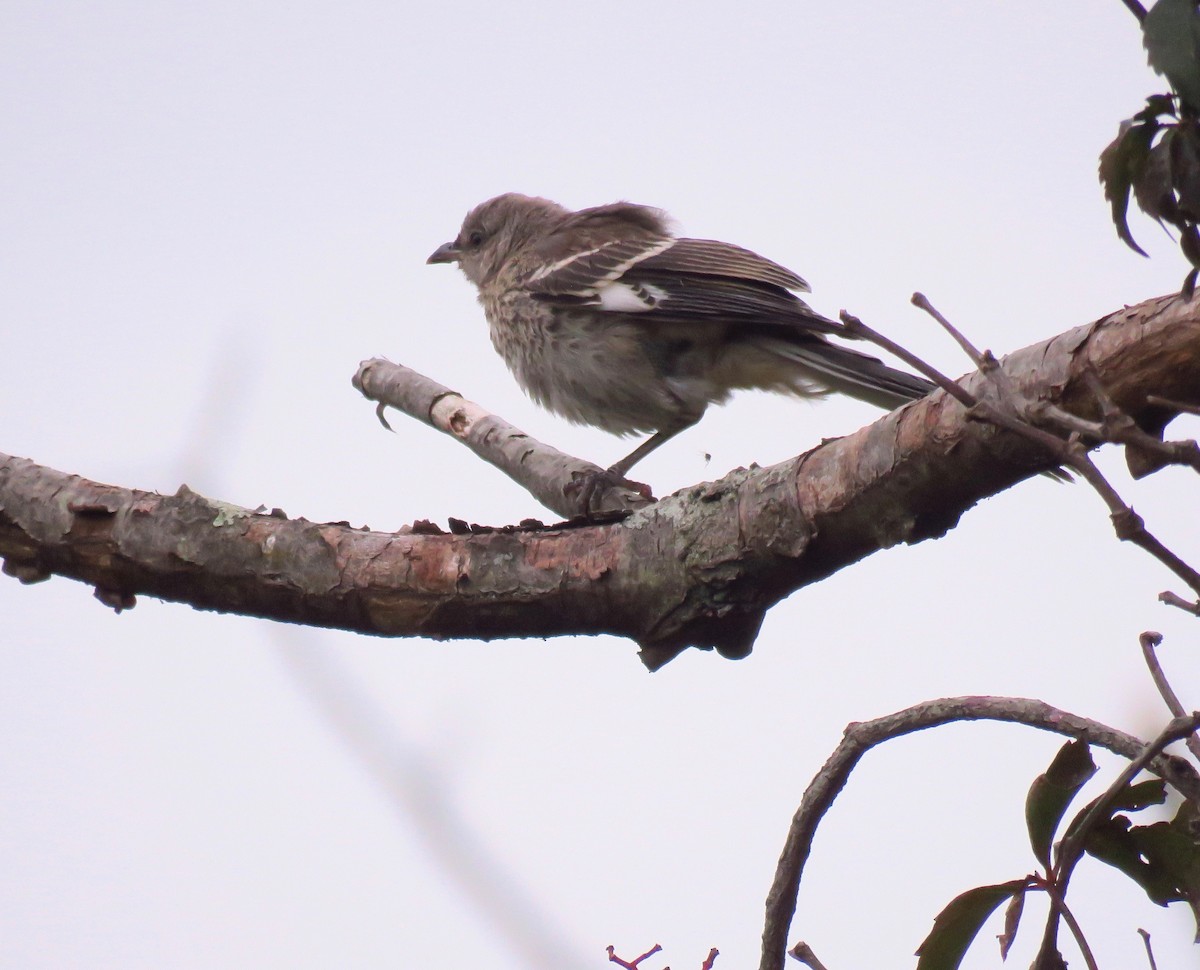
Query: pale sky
(213, 213)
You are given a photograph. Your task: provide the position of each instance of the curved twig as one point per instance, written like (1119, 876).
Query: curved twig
(861, 737)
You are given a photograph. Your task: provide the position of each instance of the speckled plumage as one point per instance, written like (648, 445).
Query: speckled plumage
(607, 319)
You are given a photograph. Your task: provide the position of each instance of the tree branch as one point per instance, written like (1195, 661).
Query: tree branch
(545, 472)
(697, 569)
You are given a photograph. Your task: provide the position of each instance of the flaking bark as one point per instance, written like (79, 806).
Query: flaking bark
(699, 568)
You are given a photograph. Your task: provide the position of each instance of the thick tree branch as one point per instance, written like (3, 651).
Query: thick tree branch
(699, 568)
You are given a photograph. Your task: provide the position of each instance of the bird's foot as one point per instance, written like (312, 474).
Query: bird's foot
(594, 492)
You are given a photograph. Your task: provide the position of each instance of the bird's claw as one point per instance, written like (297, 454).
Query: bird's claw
(586, 487)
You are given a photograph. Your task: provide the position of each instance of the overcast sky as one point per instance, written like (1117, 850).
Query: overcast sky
(212, 212)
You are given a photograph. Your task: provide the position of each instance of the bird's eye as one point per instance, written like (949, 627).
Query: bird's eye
(475, 239)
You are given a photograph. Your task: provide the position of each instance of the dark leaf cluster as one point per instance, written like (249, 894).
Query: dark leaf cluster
(1163, 858)
(1156, 154)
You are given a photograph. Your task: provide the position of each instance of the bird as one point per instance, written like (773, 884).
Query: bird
(607, 318)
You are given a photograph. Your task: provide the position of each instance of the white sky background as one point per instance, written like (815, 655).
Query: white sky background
(211, 215)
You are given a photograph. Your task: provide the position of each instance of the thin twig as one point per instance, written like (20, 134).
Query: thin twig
(631, 964)
(1130, 527)
(978, 358)
(984, 360)
(1124, 430)
(1149, 641)
(1136, 9)
(1059, 906)
(1119, 427)
(1092, 430)
(1149, 950)
(803, 952)
(1174, 599)
(1170, 405)
(978, 408)
(855, 327)
(1127, 524)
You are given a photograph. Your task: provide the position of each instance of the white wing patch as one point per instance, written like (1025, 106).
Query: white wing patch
(587, 273)
(618, 297)
(550, 268)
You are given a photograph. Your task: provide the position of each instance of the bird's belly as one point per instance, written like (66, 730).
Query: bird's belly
(593, 368)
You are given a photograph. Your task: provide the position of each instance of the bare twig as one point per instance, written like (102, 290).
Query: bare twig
(1092, 430)
(1136, 9)
(803, 952)
(631, 964)
(861, 737)
(1149, 641)
(1180, 406)
(1059, 906)
(1127, 524)
(1117, 426)
(976, 407)
(983, 360)
(1016, 406)
(710, 959)
(1174, 599)
(1149, 950)
(1130, 527)
(856, 328)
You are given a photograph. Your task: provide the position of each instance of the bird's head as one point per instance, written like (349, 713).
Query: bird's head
(494, 230)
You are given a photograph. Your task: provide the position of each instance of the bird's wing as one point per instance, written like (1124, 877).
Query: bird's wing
(681, 287)
(678, 280)
(694, 295)
(708, 257)
(578, 277)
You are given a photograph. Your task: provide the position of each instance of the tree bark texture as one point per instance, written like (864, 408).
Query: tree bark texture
(699, 568)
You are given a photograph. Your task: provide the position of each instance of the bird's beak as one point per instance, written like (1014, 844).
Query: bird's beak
(445, 253)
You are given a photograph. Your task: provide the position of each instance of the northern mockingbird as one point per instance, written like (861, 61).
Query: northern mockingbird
(608, 319)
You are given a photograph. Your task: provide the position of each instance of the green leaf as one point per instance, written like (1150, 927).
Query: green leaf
(1120, 164)
(1131, 798)
(959, 923)
(1185, 169)
(1153, 186)
(1171, 35)
(1113, 841)
(1189, 242)
(1051, 793)
(1163, 858)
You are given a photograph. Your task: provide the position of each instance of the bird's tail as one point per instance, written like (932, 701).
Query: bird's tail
(864, 377)
(854, 373)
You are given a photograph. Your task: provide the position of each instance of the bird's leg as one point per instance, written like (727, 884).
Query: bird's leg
(621, 468)
(588, 485)
(617, 474)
